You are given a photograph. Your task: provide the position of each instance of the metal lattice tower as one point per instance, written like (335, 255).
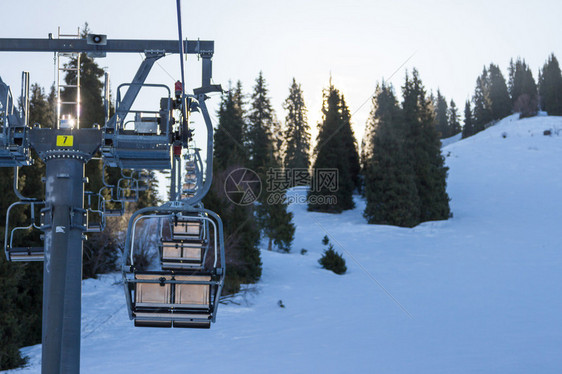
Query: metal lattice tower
(63, 62)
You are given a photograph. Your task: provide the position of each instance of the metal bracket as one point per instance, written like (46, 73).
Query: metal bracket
(46, 219)
(78, 218)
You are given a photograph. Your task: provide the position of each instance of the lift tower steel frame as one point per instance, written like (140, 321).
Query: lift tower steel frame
(65, 153)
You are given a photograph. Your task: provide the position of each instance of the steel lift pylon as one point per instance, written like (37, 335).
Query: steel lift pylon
(193, 283)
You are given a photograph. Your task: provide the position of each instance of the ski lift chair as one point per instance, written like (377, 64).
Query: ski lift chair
(14, 148)
(112, 207)
(187, 243)
(127, 184)
(16, 252)
(143, 142)
(182, 297)
(94, 216)
(143, 179)
(193, 176)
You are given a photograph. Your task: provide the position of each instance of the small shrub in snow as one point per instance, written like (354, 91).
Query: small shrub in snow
(304, 251)
(332, 260)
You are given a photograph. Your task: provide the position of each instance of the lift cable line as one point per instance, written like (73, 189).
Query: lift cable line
(186, 289)
(389, 78)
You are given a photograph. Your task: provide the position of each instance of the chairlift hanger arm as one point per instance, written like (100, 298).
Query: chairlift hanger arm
(135, 87)
(205, 48)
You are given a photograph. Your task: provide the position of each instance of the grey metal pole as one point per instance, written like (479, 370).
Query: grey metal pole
(65, 152)
(62, 277)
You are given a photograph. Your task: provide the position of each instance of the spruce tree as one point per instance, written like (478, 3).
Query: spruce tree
(482, 113)
(441, 118)
(453, 119)
(424, 151)
(42, 112)
(11, 275)
(297, 130)
(240, 227)
(350, 144)
(522, 88)
(229, 135)
(333, 153)
(21, 283)
(550, 87)
(390, 188)
(272, 212)
(499, 100)
(468, 128)
(259, 136)
(11, 334)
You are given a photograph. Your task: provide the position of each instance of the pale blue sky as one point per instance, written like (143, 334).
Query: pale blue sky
(358, 42)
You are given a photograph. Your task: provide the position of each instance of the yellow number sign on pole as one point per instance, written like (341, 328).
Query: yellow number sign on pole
(65, 140)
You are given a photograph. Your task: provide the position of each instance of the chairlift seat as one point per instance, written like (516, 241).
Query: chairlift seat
(139, 151)
(166, 304)
(186, 230)
(113, 212)
(94, 227)
(20, 254)
(129, 199)
(201, 321)
(182, 254)
(190, 166)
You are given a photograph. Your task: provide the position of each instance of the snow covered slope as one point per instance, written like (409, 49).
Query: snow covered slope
(480, 292)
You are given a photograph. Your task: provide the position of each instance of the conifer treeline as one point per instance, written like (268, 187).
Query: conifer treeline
(405, 176)
(494, 99)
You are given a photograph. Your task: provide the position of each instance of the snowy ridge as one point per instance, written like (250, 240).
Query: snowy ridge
(480, 292)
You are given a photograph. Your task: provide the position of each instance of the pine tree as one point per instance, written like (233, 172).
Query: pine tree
(350, 144)
(424, 151)
(334, 143)
(499, 100)
(441, 118)
(272, 212)
(10, 328)
(390, 188)
(453, 119)
(550, 87)
(482, 114)
(522, 88)
(229, 136)
(468, 128)
(240, 227)
(297, 130)
(259, 137)
(21, 298)
(42, 112)
(11, 274)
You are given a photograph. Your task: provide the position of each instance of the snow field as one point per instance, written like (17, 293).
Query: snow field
(480, 292)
